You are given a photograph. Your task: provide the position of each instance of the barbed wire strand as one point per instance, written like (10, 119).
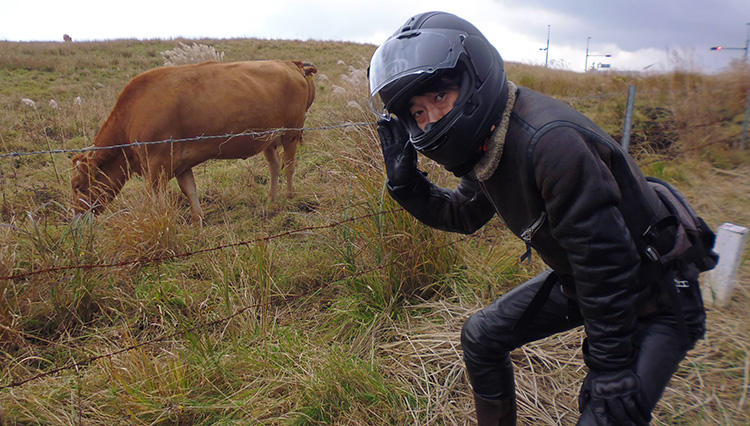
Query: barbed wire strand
(190, 139)
(158, 259)
(76, 364)
(682, 92)
(725, 140)
(234, 135)
(88, 361)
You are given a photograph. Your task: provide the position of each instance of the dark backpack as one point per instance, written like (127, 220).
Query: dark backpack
(680, 242)
(683, 238)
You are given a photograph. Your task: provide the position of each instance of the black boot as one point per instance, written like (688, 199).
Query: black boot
(498, 412)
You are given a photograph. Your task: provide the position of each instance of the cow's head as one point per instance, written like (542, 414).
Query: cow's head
(308, 70)
(92, 188)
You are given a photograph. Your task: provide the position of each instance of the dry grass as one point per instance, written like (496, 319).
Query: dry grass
(145, 227)
(191, 54)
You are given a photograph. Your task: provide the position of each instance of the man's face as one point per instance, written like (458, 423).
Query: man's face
(429, 107)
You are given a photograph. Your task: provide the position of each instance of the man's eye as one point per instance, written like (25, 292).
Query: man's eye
(440, 96)
(416, 114)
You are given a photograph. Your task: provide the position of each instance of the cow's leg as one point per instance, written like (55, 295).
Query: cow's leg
(157, 176)
(186, 180)
(272, 156)
(290, 153)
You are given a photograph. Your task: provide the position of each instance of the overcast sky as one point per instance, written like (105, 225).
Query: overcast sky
(652, 34)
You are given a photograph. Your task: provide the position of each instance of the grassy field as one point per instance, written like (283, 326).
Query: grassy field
(332, 306)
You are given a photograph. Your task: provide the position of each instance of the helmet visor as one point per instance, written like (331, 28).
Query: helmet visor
(414, 52)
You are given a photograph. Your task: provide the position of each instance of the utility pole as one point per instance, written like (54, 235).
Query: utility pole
(586, 64)
(546, 49)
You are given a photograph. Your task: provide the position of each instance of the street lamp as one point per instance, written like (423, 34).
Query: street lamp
(546, 49)
(747, 44)
(586, 64)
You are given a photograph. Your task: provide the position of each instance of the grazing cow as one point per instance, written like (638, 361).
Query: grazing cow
(187, 101)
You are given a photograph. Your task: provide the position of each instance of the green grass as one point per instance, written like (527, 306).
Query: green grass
(356, 323)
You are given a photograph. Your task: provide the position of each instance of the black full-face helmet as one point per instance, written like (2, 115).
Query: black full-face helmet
(424, 49)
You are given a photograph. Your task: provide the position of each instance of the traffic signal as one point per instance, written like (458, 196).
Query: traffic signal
(716, 47)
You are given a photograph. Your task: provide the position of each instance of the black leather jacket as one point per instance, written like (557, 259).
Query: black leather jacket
(563, 186)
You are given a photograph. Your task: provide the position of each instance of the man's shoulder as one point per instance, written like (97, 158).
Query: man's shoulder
(537, 114)
(537, 109)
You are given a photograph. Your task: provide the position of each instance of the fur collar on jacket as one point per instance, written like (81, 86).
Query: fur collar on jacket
(489, 161)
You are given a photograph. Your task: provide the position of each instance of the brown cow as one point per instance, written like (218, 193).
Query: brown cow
(190, 101)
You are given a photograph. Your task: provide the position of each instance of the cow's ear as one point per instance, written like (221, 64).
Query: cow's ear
(77, 158)
(84, 162)
(309, 68)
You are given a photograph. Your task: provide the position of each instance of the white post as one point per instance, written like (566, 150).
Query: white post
(720, 281)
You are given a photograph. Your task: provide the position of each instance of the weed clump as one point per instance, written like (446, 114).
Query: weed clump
(191, 54)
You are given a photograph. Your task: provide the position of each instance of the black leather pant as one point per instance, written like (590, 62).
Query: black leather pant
(491, 334)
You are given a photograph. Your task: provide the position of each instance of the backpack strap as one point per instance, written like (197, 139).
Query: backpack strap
(679, 246)
(539, 299)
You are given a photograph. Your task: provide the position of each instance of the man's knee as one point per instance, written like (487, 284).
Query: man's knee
(472, 334)
(483, 339)
(487, 361)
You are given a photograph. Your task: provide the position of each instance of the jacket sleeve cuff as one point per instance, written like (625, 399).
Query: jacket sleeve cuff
(402, 190)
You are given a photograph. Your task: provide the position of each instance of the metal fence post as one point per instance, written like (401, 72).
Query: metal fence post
(628, 118)
(743, 139)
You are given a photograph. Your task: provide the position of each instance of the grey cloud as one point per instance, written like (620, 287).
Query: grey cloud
(638, 24)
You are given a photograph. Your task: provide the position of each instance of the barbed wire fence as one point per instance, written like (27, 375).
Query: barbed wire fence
(213, 137)
(186, 254)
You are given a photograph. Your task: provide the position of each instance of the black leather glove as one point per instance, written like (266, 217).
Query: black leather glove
(612, 398)
(398, 153)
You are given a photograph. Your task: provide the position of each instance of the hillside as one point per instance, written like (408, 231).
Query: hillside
(332, 306)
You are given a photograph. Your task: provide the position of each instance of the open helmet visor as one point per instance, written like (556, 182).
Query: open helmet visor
(411, 54)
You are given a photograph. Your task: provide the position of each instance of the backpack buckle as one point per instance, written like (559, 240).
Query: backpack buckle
(652, 254)
(681, 283)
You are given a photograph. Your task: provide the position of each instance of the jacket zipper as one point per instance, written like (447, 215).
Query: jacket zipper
(528, 234)
(489, 197)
